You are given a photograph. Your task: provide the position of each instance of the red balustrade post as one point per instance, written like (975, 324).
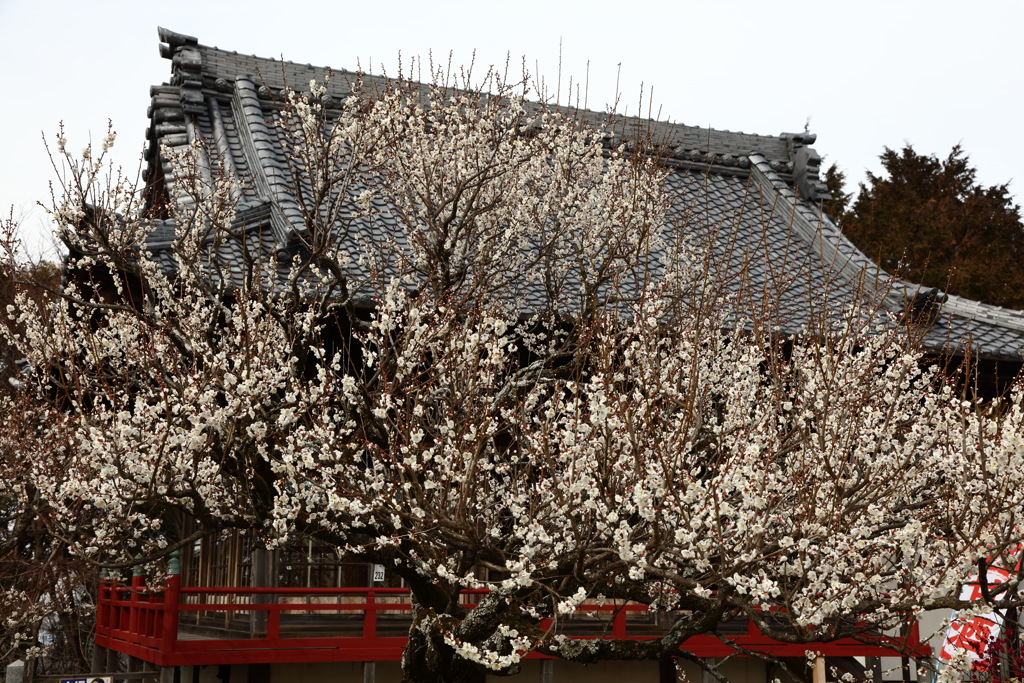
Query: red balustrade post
(135, 615)
(274, 624)
(619, 623)
(117, 593)
(369, 616)
(169, 626)
(134, 596)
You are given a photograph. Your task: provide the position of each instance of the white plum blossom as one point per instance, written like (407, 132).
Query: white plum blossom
(496, 362)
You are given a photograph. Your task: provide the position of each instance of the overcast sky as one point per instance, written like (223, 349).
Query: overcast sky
(862, 75)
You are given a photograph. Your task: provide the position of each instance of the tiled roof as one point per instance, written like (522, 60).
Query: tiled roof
(755, 196)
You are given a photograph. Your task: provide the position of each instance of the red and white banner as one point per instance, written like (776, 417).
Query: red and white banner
(973, 636)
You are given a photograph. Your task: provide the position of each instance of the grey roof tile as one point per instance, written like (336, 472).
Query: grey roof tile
(730, 189)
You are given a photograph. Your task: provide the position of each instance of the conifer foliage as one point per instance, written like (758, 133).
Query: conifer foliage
(930, 221)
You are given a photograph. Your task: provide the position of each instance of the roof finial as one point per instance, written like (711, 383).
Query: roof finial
(173, 41)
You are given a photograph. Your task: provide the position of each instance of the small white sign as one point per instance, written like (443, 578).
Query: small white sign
(378, 573)
(89, 679)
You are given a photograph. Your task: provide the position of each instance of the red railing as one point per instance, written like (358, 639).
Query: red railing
(180, 626)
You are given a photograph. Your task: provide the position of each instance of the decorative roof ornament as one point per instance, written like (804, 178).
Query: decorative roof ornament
(184, 54)
(806, 166)
(171, 41)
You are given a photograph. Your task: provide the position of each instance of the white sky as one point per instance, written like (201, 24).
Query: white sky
(865, 74)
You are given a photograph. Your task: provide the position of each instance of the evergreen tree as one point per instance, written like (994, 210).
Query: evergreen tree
(836, 207)
(930, 221)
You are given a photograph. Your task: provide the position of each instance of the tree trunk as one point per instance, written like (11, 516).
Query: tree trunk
(428, 659)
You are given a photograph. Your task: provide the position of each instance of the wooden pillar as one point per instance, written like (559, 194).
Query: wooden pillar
(547, 671)
(99, 658)
(819, 670)
(113, 662)
(905, 661)
(369, 672)
(875, 665)
(259, 673)
(706, 676)
(264, 575)
(667, 670)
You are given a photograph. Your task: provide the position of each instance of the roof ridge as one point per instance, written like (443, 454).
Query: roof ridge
(193, 60)
(900, 292)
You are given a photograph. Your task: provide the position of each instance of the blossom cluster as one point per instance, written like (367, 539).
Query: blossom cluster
(530, 403)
